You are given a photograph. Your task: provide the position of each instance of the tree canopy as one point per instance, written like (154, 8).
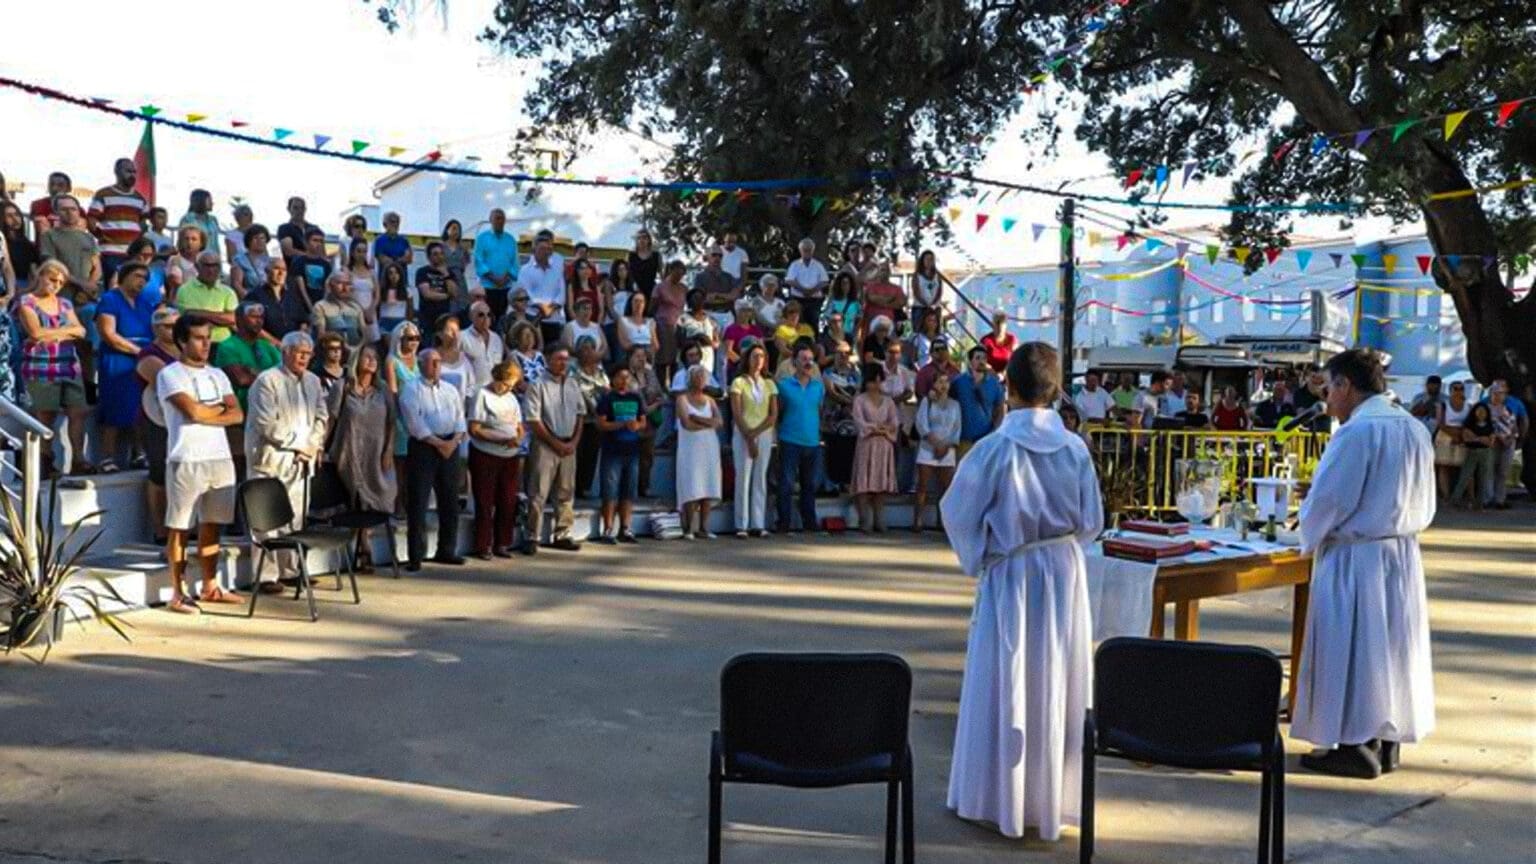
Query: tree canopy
(754, 89)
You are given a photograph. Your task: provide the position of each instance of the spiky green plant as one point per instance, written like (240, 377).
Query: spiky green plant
(31, 597)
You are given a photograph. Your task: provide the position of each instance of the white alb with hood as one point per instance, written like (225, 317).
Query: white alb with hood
(1365, 661)
(1023, 500)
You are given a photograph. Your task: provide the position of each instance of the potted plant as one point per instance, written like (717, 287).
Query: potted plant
(36, 588)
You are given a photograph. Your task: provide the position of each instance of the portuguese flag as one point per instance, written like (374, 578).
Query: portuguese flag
(144, 163)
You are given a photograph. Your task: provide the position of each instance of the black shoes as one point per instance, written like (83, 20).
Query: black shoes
(627, 536)
(502, 551)
(450, 560)
(413, 566)
(1357, 761)
(530, 548)
(566, 544)
(1388, 753)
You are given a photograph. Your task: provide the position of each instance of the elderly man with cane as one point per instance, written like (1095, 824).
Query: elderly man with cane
(285, 425)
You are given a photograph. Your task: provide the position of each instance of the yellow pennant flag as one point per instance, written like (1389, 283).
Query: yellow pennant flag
(1389, 263)
(1452, 121)
(1242, 253)
(395, 151)
(954, 214)
(713, 194)
(196, 118)
(1094, 238)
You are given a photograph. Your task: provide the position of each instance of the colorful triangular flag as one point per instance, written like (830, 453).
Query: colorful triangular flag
(1037, 229)
(1522, 262)
(1303, 258)
(1131, 178)
(1181, 249)
(818, 200)
(683, 193)
(1189, 168)
(1284, 149)
(1389, 263)
(1120, 244)
(148, 110)
(710, 197)
(1453, 120)
(1338, 259)
(395, 151)
(1162, 176)
(1361, 137)
(1490, 262)
(358, 147)
(1358, 259)
(321, 141)
(196, 118)
(1319, 144)
(1153, 244)
(1095, 238)
(1454, 261)
(280, 134)
(1272, 254)
(981, 220)
(1008, 223)
(1424, 262)
(1507, 109)
(1401, 128)
(1212, 252)
(1241, 253)
(954, 213)
(238, 124)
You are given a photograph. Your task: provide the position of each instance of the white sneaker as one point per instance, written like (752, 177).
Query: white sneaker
(710, 535)
(742, 535)
(687, 535)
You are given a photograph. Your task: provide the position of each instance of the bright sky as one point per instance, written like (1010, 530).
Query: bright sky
(329, 67)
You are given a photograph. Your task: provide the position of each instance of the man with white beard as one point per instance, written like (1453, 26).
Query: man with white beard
(1022, 501)
(1366, 685)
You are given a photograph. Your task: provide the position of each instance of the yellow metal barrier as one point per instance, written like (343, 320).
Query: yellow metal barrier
(1136, 466)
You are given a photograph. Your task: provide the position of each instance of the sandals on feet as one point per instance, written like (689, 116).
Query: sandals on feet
(183, 606)
(219, 595)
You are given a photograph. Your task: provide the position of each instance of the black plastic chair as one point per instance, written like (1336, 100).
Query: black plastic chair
(814, 721)
(1197, 705)
(265, 507)
(327, 494)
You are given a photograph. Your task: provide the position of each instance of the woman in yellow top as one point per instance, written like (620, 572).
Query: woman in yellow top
(755, 407)
(791, 330)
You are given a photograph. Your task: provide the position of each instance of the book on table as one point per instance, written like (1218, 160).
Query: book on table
(1148, 549)
(1147, 526)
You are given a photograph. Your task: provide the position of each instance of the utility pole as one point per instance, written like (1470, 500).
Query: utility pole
(1067, 292)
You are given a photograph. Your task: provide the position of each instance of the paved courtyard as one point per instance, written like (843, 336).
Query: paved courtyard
(560, 711)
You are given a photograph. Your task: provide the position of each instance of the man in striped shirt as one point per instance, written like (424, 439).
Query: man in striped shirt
(117, 217)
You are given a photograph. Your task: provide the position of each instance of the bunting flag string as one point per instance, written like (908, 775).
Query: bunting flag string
(1131, 277)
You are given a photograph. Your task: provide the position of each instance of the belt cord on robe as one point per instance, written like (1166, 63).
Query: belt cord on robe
(996, 558)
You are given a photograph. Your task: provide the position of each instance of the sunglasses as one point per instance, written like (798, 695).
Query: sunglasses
(482, 315)
(411, 339)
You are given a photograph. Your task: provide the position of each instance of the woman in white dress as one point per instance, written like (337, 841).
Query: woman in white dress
(938, 431)
(1023, 500)
(364, 288)
(698, 453)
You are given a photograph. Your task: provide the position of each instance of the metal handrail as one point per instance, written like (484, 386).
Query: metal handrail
(14, 413)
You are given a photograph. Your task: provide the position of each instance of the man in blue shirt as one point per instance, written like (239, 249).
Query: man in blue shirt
(800, 398)
(980, 395)
(496, 262)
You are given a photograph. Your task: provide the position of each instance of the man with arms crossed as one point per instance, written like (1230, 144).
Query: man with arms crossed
(198, 403)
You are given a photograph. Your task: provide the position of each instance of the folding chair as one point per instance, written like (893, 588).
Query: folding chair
(265, 507)
(327, 493)
(1198, 705)
(815, 721)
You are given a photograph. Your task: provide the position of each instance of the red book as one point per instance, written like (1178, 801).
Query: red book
(1148, 549)
(1147, 526)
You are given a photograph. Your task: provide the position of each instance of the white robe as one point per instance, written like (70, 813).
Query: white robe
(1028, 662)
(1365, 664)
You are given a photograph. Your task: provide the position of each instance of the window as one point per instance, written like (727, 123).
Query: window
(1421, 305)
(1192, 310)
(1248, 313)
(1219, 313)
(1274, 311)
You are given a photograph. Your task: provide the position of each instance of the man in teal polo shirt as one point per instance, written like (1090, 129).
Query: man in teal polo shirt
(800, 398)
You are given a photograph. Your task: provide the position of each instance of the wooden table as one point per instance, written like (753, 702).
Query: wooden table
(1186, 584)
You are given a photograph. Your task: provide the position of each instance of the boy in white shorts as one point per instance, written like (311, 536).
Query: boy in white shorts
(199, 403)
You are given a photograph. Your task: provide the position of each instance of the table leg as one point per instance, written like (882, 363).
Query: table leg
(1186, 620)
(1159, 612)
(1300, 598)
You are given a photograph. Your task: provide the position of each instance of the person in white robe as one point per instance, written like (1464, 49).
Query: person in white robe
(285, 425)
(1022, 502)
(1365, 683)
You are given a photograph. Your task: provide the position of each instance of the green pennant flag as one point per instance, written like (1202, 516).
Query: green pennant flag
(684, 192)
(1401, 128)
(358, 147)
(148, 110)
(816, 204)
(1211, 253)
(1358, 259)
(541, 173)
(1522, 261)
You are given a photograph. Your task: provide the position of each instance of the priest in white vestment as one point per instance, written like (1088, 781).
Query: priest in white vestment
(1022, 501)
(285, 424)
(1365, 684)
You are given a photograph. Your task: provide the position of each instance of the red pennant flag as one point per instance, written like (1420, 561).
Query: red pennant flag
(238, 124)
(981, 220)
(1131, 178)
(1284, 149)
(1272, 254)
(1124, 239)
(144, 165)
(1507, 109)
(1424, 262)
(742, 195)
(434, 155)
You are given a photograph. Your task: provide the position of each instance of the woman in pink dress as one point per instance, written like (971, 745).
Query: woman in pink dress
(874, 457)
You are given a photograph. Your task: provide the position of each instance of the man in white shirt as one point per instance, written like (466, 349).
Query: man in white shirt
(433, 411)
(1171, 402)
(1148, 404)
(807, 281)
(735, 259)
(481, 344)
(543, 278)
(199, 403)
(285, 427)
(1093, 401)
(1365, 683)
(556, 414)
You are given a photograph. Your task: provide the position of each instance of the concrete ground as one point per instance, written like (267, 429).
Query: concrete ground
(559, 711)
